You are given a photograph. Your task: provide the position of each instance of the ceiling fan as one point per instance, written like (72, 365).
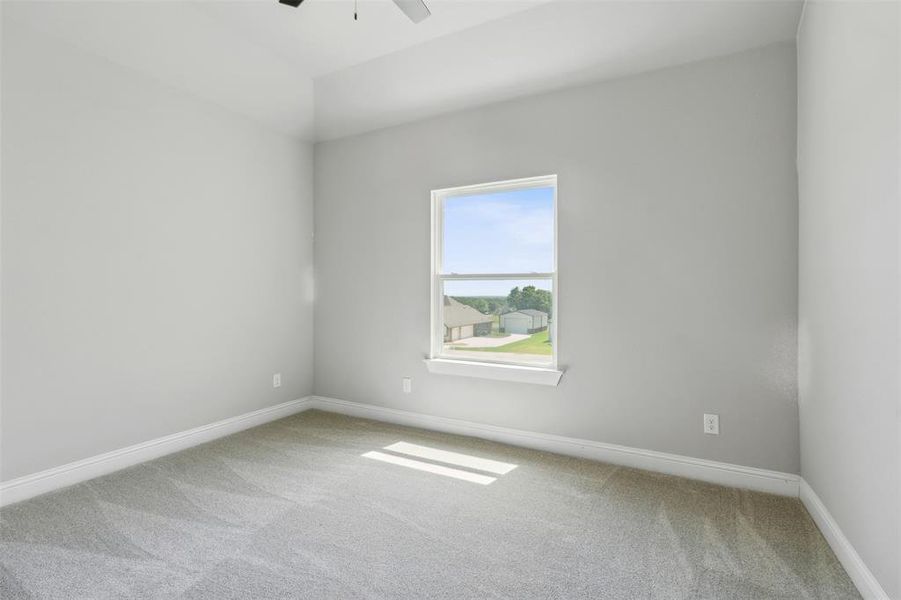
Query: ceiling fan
(416, 10)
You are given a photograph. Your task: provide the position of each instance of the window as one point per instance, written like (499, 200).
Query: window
(494, 273)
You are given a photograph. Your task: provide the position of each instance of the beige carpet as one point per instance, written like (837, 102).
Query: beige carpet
(293, 509)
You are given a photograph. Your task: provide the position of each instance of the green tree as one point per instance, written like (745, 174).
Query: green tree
(514, 298)
(530, 297)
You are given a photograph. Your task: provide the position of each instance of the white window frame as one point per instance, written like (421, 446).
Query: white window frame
(440, 362)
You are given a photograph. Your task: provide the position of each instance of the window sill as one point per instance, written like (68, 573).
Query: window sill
(499, 372)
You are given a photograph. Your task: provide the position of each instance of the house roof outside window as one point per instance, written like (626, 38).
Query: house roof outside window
(457, 314)
(532, 312)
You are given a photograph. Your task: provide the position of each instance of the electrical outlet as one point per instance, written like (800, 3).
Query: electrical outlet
(277, 380)
(712, 424)
(408, 385)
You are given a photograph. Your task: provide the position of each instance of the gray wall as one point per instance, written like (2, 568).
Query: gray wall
(678, 258)
(157, 258)
(849, 162)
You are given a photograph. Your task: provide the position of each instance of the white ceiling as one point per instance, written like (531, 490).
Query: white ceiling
(322, 37)
(551, 46)
(315, 73)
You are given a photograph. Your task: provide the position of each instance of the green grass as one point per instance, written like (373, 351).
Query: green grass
(537, 343)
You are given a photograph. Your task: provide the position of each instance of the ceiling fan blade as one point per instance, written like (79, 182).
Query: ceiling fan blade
(415, 9)
(294, 3)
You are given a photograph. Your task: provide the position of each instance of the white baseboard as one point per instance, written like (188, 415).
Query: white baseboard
(22, 488)
(727, 474)
(751, 478)
(857, 570)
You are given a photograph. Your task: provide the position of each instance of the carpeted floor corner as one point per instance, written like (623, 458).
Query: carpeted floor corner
(293, 509)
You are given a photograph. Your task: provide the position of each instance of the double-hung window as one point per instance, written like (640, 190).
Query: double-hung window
(494, 274)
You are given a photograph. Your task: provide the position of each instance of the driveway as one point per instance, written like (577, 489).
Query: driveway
(490, 342)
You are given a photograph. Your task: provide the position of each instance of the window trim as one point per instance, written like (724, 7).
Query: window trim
(494, 370)
(436, 357)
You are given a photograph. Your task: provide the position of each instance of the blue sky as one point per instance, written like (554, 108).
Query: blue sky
(506, 232)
